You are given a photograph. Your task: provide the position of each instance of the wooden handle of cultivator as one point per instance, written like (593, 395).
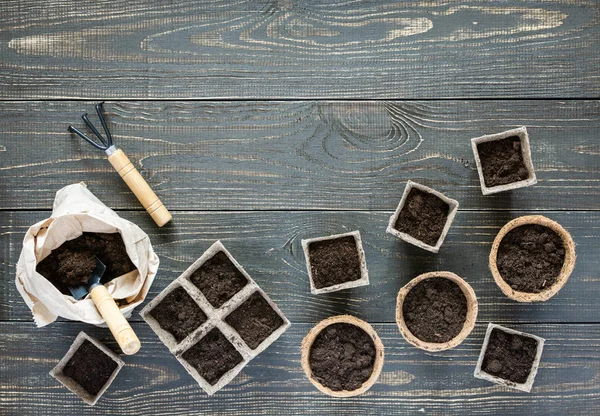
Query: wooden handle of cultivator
(140, 187)
(118, 325)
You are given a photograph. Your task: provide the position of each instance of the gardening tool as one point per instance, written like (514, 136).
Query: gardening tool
(118, 325)
(125, 168)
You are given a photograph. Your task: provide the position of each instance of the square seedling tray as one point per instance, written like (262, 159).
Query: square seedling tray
(333, 259)
(88, 368)
(515, 141)
(413, 190)
(521, 355)
(214, 318)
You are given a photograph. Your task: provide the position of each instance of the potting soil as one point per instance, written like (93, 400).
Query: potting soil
(254, 320)
(333, 262)
(213, 356)
(218, 279)
(423, 216)
(502, 161)
(509, 356)
(90, 367)
(530, 258)
(342, 357)
(178, 314)
(73, 262)
(435, 310)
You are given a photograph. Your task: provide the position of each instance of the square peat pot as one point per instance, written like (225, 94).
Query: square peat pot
(214, 318)
(335, 262)
(88, 368)
(504, 161)
(509, 358)
(423, 217)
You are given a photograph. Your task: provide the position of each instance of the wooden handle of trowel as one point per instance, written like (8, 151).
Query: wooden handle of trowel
(118, 325)
(139, 187)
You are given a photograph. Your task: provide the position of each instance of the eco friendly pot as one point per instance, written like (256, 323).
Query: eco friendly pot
(363, 280)
(307, 344)
(58, 371)
(471, 317)
(565, 273)
(227, 326)
(521, 133)
(528, 384)
(452, 210)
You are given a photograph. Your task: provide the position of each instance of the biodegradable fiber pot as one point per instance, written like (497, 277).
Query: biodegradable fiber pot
(335, 262)
(88, 365)
(511, 354)
(215, 318)
(423, 217)
(309, 340)
(565, 272)
(504, 161)
(470, 318)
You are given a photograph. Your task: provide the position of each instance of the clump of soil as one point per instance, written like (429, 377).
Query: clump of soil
(212, 356)
(178, 314)
(530, 258)
(435, 310)
(342, 357)
(502, 161)
(73, 262)
(254, 320)
(218, 279)
(90, 367)
(333, 262)
(509, 356)
(423, 216)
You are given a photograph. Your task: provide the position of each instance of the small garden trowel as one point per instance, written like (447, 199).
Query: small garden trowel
(118, 325)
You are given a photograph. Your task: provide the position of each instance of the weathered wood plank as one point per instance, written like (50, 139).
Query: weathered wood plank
(267, 244)
(298, 49)
(412, 382)
(299, 155)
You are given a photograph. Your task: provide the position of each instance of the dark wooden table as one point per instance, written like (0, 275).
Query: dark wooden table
(261, 123)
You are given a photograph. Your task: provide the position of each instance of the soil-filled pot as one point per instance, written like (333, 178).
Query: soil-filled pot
(436, 311)
(214, 318)
(423, 217)
(509, 358)
(532, 258)
(335, 262)
(504, 161)
(342, 356)
(88, 368)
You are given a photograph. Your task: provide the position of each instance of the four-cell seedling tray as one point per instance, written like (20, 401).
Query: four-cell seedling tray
(233, 319)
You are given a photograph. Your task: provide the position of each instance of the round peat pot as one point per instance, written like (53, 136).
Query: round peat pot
(364, 327)
(469, 322)
(565, 272)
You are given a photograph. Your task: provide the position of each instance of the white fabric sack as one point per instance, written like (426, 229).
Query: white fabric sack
(77, 210)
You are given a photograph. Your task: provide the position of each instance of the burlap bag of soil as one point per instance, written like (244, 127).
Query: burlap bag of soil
(77, 210)
(316, 330)
(565, 273)
(472, 309)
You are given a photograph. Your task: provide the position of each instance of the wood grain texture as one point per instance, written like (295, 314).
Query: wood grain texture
(298, 49)
(412, 382)
(299, 155)
(267, 244)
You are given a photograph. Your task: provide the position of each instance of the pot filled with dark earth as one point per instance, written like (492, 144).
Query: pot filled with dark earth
(509, 357)
(532, 258)
(436, 311)
(342, 356)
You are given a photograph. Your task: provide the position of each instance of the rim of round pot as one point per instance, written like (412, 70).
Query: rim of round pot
(472, 309)
(565, 272)
(347, 319)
